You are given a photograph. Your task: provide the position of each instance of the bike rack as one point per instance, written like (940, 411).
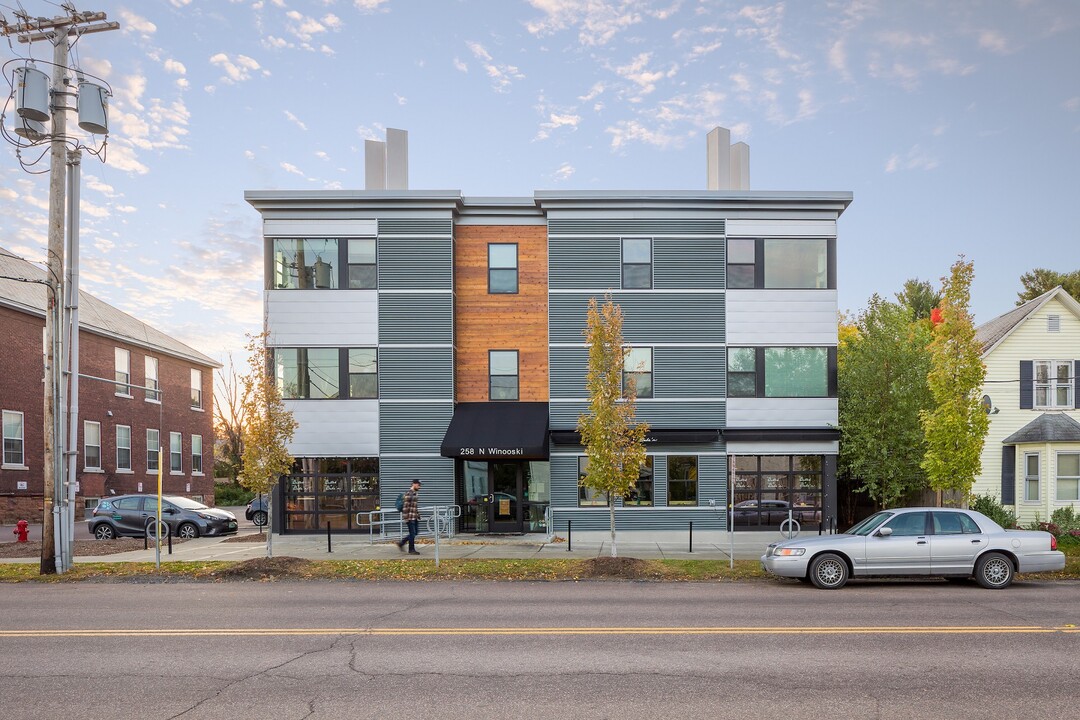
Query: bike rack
(387, 520)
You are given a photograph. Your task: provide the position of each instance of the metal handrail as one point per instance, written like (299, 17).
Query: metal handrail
(383, 519)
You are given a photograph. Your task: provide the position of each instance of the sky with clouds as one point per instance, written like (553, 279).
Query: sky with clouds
(955, 124)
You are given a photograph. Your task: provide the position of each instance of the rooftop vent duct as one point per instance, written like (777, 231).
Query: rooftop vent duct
(386, 163)
(727, 165)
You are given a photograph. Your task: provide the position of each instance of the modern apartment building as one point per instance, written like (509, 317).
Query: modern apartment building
(142, 389)
(433, 335)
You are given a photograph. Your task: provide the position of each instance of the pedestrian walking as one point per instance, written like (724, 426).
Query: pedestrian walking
(410, 513)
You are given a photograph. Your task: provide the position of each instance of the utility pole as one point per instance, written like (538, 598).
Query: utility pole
(58, 31)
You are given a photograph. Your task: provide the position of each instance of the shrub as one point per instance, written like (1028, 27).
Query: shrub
(1066, 519)
(230, 495)
(989, 506)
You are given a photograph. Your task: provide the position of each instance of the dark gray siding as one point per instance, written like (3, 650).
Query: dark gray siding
(416, 373)
(568, 366)
(413, 427)
(437, 474)
(636, 226)
(648, 317)
(684, 263)
(688, 372)
(409, 262)
(416, 318)
(707, 414)
(575, 263)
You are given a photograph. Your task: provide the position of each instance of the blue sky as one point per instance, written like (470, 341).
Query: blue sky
(955, 124)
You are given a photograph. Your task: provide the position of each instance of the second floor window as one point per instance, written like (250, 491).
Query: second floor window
(196, 389)
(307, 373)
(503, 374)
(636, 263)
(363, 373)
(637, 369)
(775, 372)
(153, 394)
(363, 271)
(1053, 384)
(305, 264)
(779, 263)
(123, 447)
(13, 438)
(502, 268)
(123, 372)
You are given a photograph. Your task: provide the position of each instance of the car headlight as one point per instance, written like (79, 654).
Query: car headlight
(204, 516)
(789, 552)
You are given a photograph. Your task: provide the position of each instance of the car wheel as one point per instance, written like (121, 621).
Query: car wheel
(188, 531)
(828, 572)
(994, 571)
(259, 518)
(104, 531)
(152, 533)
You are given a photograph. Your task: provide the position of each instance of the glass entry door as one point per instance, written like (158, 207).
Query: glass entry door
(505, 513)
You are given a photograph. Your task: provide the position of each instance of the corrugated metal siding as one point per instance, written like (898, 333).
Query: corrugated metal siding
(636, 226)
(413, 427)
(437, 475)
(415, 226)
(407, 263)
(648, 317)
(690, 263)
(660, 414)
(568, 367)
(689, 372)
(584, 263)
(416, 373)
(416, 318)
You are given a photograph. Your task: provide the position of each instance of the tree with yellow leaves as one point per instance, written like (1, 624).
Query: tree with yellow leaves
(614, 442)
(268, 429)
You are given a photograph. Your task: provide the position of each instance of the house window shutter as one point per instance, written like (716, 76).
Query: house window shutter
(1008, 475)
(1076, 383)
(1027, 385)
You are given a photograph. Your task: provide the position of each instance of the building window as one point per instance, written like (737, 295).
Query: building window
(741, 263)
(176, 457)
(503, 374)
(636, 263)
(196, 455)
(196, 389)
(153, 394)
(91, 445)
(1053, 384)
(307, 373)
(779, 263)
(768, 488)
(13, 438)
(1031, 477)
(682, 473)
(305, 264)
(1068, 476)
(153, 449)
(642, 494)
(123, 447)
(363, 270)
(363, 373)
(502, 268)
(777, 372)
(123, 372)
(637, 369)
(588, 497)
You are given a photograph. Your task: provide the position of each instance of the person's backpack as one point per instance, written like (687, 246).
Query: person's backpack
(400, 502)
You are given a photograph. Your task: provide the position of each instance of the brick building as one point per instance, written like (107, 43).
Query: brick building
(121, 422)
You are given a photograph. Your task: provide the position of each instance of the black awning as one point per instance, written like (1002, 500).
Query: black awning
(572, 437)
(498, 431)
(781, 434)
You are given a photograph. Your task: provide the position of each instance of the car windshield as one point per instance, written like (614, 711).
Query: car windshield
(868, 525)
(186, 504)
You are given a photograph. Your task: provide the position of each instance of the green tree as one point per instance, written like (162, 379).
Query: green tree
(920, 296)
(1041, 280)
(956, 425)
(882, 366)
(614, 442)
(268, 430)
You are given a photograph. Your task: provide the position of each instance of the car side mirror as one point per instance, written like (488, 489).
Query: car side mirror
(884, 532)
(169, 511)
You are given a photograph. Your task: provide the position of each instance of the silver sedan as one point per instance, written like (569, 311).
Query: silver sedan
(940, 542)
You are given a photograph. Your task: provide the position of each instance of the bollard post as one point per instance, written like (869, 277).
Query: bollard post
(569, 536)
(328, 537)
(691, 537)
(146, 541)
(170, 543)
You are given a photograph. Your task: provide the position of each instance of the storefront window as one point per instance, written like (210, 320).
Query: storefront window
(330, 491)
(770, 488)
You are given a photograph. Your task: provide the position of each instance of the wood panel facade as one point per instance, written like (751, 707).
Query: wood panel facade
(485, 321)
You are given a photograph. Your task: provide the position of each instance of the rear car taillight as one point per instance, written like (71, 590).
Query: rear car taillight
(1053, 542)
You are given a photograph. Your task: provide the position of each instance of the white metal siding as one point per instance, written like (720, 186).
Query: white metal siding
(315, 227)
(310, 318)
(782, 412)
(781, 228)
(781, 317)
(335, 428)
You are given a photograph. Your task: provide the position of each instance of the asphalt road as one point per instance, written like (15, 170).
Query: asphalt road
(775, 649)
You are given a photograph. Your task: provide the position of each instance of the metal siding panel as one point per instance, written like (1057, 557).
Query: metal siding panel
(436, 473)
(415, 226)
(584, 263)
(407, 263)
(413, 427)
(782, 412)
(691, 263)
(648, 317)
(567, 369)
(312, 318)
(564, 416)
(689, 372)
(335, 428)
(781, 317)
(416, 373)
(564, 492)
(636, 226)
(682, 415)
(417, 318)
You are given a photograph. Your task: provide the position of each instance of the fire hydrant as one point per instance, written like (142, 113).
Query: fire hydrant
(22, 531)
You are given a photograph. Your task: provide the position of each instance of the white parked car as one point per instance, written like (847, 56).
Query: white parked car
(944, 542)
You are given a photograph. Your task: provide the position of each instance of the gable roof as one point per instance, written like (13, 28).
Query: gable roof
(22, 288)
(991, 334)
(1048, 427)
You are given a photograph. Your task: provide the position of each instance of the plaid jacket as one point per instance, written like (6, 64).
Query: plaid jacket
(410, 510)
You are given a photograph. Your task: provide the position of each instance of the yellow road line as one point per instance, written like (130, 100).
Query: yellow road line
(254, 632)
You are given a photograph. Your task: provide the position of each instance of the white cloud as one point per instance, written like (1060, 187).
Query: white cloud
(249, 155)
(501, 75)
(461, 65)
(838, 57)
(237, 69)
(597, 22)
(136, 23)
(401, 99)
(993, 41)
(636, 72)
(367, 133)
(556, 121)
(175, 67)
(295, 120)
(290, 168)
(627, 131)
(767, 25)
(917, 158)
(1072, 104)
(564, 172)
(594, 92)
(369, 6)
(126, 208)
